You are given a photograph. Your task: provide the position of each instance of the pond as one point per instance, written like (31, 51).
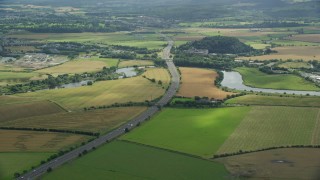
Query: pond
(128, 72)
(233, 80)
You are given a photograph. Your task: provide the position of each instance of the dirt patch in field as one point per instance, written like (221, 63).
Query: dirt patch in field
(315, 38)
(300, 163)
(200, 82)
(292, 52)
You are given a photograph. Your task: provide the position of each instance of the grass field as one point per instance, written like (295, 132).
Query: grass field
(276, 164)
(130, 63)
(255, 78)
(193, 131)
(17, 162)
(121, 160)
(15, 77)
(200, 82)
(159, 74)
(265, 127)
(31, 141)
(151, 41)
(92, 121)
(276, 101)
(294, 65)
(136, 89)
(7, 100)
(10, 112)
(305, 53)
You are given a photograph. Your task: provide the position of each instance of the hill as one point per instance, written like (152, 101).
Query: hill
(219, 44)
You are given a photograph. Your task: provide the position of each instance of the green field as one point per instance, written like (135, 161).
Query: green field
(17, 162)
(255, 78)
(130, 63)
(122, 160)
(265, 127)
(150, 41)
(16, 77)
(276, 100)
(193, 131)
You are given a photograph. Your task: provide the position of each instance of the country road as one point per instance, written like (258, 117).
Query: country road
(175, 81)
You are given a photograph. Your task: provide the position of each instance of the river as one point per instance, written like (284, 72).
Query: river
(233, 80)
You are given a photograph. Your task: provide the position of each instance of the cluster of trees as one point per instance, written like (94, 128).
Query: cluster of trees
(214, 62)
(53, 82)
(221, 45)
(53, 130)
(121, 55)
(272, 70)
(135, 49)
(266, 24)
(128, 104)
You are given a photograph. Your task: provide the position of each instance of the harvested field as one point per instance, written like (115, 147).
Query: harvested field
(73, 67)
(294, 65)
(92, 121)
(159, 74)
(266, 127)
(10, 112)
(305, 53)
(315, 38)
(200, 82)
(276, 164)
(4, 100)
(130, 63)
(299, 101)
(136, 89)
(31, 141)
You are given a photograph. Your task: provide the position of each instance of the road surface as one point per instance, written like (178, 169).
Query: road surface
(175, 81)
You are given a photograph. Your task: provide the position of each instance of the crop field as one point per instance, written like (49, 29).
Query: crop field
(73, 67)
(136, 89)
(305, 53)
(294, 65)
(151, 41)
(10, 112)
(299, 101)
(92, 121)
(195, 131)
(255, 78)
(130, 63)
(5, 100)
(15, 77)
(314, 38)
(17, 162)
(159, 74)
(265, 127)
(122, 161)
(200, 82)
(109, 62)
(32, 141)
(290, 163)
(19, 49)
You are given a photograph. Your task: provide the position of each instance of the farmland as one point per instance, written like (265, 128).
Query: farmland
(200, 82)
(73, 67)
(93, 121)
(136, 89)
(276, 101)
(16, 77)
(315, 38)
(131, 63)
(159, 74)
(17, 162)
(294, 65)
(30, 141)
(255, 78)
(10, 112)
(276, 164)
(193, 131)
(152, 41)
(265, 127)
(115, 162)
(305, 53)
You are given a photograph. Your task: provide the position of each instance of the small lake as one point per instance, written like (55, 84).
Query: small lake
(129, 71)
(233, 80)
(74, 85)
